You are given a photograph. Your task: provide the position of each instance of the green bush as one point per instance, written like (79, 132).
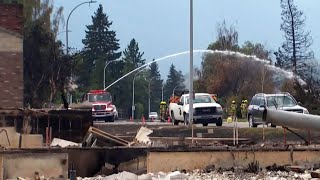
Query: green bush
(139, 110)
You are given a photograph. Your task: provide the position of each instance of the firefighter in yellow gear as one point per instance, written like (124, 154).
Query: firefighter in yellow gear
(233, 109)
(163, 107)
(244, 108)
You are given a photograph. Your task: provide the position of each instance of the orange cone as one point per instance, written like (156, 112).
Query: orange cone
(143, 120)
(130, 119)
(169, 120)
(152, 119)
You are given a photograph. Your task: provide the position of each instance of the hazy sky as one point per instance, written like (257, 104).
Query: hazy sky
(162, 27)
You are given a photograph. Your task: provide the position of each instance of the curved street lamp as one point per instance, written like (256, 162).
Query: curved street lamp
(67, 25)
(180, 85)
(133, 107)
(104, 72)
(67, 37)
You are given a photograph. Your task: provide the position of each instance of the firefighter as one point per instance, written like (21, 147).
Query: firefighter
(244, 106)
(233, 109)
(163, 108)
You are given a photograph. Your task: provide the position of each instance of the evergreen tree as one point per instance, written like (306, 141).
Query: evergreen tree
(100, 47)
(132, 59)
(294, 52)
(174, 79)
(155, 87)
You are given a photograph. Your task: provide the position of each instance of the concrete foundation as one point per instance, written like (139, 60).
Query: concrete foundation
(169, 161)
(26, 164)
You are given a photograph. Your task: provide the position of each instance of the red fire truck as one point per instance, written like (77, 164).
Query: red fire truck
(102, 107)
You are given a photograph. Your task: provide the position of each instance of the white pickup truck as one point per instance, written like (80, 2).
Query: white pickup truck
(205, 110)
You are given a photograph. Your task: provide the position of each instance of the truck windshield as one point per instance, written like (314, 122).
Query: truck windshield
(201, 99)
(100, 97)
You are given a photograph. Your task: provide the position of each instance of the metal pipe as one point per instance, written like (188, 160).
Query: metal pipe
(292, 119)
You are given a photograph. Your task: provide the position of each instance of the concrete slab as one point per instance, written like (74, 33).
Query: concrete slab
(27, 141)
(56, 142)
(25, 165)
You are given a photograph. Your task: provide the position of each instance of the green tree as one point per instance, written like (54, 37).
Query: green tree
(132, 59)
(155, 86)
(174, 79)
(100, 47)
(257, 49)
(46, 69)
(295, 51)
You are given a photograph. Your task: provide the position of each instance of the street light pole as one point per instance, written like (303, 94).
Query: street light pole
(133, 107)
(191, 69)
(67, 37)
(149, 94)
(104, 72)
(162, 92)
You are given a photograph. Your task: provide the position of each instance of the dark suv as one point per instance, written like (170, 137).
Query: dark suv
(281, 101)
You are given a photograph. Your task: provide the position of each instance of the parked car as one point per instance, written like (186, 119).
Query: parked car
(153, 115)
(280, 101)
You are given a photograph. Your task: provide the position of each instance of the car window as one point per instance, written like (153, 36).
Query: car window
(280, 101)
(100, 97)
(201, 99)
(256, 100)
(253, 100)
(153, 113)
(262, 101)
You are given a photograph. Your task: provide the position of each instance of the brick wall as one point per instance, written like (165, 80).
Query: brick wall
(11, 80)
(11, 17)
(11, 56)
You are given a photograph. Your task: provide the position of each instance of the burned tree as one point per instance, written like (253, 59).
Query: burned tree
(295, 51)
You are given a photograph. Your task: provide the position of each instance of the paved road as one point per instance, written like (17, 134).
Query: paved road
(159, 123)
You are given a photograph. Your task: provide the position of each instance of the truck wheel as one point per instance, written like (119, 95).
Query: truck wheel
(174, 122)
(205, 124)
(109, 119)
(186, 120)
(251, 122)
(112, 119)
(219, 123)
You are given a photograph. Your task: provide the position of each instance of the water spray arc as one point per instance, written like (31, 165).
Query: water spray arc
(287, 74)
